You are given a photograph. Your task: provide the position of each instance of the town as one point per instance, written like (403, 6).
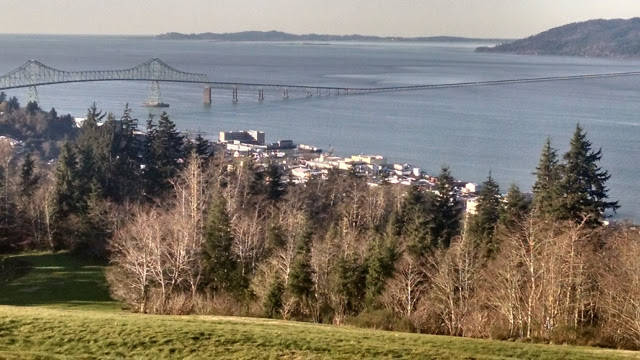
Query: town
(298, 163)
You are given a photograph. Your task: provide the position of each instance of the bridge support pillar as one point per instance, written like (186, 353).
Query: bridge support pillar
(206, 98)
(285, 93)
(33, 94)
(235, 95)
(260, 95)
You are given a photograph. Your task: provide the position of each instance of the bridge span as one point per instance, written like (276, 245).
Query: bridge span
(34, 73)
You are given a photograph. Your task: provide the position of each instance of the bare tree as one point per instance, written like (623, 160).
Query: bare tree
(620, 285)
(405, 289)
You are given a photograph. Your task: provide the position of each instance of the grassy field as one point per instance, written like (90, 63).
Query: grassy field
(65, 312)
(57, 281)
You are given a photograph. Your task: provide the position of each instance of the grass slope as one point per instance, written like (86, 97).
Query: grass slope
(53, 333)
(56, 281)
(66, 313)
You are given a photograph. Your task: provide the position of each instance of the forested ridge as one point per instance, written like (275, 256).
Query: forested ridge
(190, 232)
(593, 38)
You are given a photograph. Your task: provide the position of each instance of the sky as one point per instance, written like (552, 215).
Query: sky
(470, 18)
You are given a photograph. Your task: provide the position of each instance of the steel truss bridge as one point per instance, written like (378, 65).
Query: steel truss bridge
(34, 73)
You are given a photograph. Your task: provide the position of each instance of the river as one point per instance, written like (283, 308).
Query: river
(474, 130)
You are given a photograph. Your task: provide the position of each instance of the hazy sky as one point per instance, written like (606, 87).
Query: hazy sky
(472, 18)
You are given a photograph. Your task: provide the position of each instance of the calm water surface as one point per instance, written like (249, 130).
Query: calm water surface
(473, 130)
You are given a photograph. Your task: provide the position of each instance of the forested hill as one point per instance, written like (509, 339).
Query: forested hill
(593, 38)
(283, 36)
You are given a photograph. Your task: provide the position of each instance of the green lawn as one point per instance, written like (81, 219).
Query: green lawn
(56, 281)
(66, 313)
(52, 333)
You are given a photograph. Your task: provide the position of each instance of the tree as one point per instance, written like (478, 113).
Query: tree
(32, 107)
(221, 270)
(415, 222)
(300, 282)
(68, 198)
(380, 262)
(13, 104)
(273, 302)
(583, 189)
(516, 207)
(274, 188)
(202, 146)
(483, 224)
(545, 189)
(447, 209)
(164, 155)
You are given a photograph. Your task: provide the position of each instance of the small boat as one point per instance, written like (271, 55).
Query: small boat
(155, 104)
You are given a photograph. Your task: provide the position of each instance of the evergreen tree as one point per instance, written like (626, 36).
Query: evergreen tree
(221, 270)
(165, 155)
(483, 224)
(447, 209)
(12, 104)
(515, 209)
(274, 188)
(383, 254)
(584, 194)
(67, 199)
(202, 146)
(28, 177)
(275, 235)
(351, 283)
(416, 222)
(125, 160)
(273, 302)
(301, 274)
(545, 189)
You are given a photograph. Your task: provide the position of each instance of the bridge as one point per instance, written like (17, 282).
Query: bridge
(34, 73)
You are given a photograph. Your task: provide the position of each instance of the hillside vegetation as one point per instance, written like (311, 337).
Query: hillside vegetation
(593, 38)
(66, 312)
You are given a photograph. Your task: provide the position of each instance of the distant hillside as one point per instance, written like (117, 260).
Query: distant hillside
(282, 36)
(593, 38)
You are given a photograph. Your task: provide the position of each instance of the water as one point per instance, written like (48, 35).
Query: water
(473, 130)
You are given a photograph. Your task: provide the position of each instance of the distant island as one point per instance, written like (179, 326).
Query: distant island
(283, 36)
(593, 38)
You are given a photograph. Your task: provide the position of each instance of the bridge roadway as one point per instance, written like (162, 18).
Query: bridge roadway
(351, 90)
(33, 73)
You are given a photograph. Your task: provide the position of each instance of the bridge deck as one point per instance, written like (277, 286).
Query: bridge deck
(34, 73)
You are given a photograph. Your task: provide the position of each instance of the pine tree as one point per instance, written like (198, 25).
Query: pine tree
(126, 162)
(274, 188)
(202, 146)
(447, 209)
(351, 278)
(383, 254)
(273, 302)
(515, 209)
(300, 282)
(28, 177)
(67, 200)
(584, 194)
(415, 222)
(483, 224)
(164, 155)
(221, 270)
(545, 189)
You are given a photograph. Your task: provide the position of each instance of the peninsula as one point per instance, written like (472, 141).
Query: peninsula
(283, 36)
(593, 38)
